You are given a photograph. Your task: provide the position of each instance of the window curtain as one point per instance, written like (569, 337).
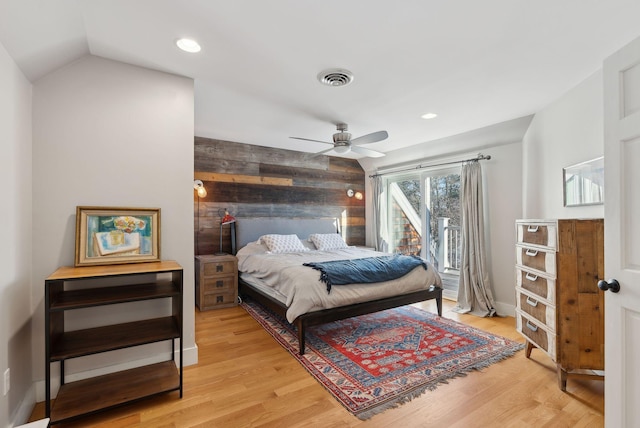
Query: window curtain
(474, 292)
(379, 215)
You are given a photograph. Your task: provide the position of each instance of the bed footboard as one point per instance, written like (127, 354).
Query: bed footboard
(357, 309)
(343, 312)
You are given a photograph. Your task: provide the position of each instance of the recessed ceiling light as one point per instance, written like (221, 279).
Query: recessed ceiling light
(429, 115)
(188, 45)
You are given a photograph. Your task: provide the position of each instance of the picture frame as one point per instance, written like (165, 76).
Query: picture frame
(116, 235)
(583, 183)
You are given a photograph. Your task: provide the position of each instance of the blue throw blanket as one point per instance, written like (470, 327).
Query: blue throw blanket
(370, 269)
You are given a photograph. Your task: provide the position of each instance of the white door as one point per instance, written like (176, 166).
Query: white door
(622, 236)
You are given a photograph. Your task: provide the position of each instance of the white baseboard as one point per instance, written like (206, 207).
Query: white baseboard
(190, 356)
(505, 309)
(40, 423)
(449, 294)
(25, 408)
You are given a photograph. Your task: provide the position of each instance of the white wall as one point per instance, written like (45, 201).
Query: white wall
(502, 179)
(567, 132)
(111, 134)
(503, 184)
(15, 236)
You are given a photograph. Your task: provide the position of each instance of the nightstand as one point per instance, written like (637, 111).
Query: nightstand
(216, 281)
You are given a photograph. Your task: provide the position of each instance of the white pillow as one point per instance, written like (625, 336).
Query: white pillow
(328, 241)
(283, 243)
(308, 244)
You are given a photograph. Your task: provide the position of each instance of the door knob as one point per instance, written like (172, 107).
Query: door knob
(612, 285)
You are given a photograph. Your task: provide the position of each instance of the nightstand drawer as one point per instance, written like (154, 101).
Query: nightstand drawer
(538, 259)
(220, 284)
(536, 334)
(536, 308)
(534, 233)
(212, 301)
(212, 268)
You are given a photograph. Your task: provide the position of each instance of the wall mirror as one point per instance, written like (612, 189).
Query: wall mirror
(584, 183)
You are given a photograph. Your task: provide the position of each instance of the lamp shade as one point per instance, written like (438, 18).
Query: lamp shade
(228, 218)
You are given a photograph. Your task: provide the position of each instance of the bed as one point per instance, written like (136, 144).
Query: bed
(279, 280)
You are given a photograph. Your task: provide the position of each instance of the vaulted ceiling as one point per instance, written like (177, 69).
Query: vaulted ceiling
(473, 63)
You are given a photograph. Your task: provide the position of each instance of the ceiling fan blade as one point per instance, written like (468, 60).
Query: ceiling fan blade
(367, 152)
(325, 151)
(308, 139)
(374, 137)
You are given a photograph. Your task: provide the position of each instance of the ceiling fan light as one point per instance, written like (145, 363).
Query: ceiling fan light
(341, 149)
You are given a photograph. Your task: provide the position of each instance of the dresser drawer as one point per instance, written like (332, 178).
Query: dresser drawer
(537, 284)
(537, 233)
(536, 333)
(219, 284)
(538, 259)
(219, 267)
(536, 308)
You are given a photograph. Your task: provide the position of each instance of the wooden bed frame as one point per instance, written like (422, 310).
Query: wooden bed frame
(250, 229)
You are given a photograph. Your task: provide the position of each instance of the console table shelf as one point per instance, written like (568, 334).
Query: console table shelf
(76, 299)
(70, 288)
(79, 343)
(114, 389)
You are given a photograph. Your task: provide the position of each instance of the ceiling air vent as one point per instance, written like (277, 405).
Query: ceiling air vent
(335, 77)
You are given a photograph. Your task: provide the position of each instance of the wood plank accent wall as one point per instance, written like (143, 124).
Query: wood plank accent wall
(256, 181)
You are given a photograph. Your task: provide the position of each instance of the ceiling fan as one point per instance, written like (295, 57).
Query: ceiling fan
(342, 142)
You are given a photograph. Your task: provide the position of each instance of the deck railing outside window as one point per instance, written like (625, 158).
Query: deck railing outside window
(453, 241)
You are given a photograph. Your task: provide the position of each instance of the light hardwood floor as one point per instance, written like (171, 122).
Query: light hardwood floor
(245, 379)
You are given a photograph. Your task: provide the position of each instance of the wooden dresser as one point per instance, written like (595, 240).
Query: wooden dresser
(216, 281)
(559, 308)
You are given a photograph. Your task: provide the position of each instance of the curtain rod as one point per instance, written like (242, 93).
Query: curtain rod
(478, 158)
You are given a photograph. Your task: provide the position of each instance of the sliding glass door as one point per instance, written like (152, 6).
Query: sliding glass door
(424, 219)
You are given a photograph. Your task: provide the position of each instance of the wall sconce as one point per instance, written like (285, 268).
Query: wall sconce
(351, 194)
(199, 186)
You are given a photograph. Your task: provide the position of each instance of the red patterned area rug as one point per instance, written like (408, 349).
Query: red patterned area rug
(374, 362)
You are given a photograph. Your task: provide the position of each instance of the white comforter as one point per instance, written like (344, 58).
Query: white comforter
(305, 292)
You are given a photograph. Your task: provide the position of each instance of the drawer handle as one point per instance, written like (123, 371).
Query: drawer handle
(531, 253)
(530, 302)
(532, 327)
(532, 229)
(531, 277)
(219, 268)
(219, 283)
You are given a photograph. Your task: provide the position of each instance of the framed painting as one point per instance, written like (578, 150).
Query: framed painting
(112, 235)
